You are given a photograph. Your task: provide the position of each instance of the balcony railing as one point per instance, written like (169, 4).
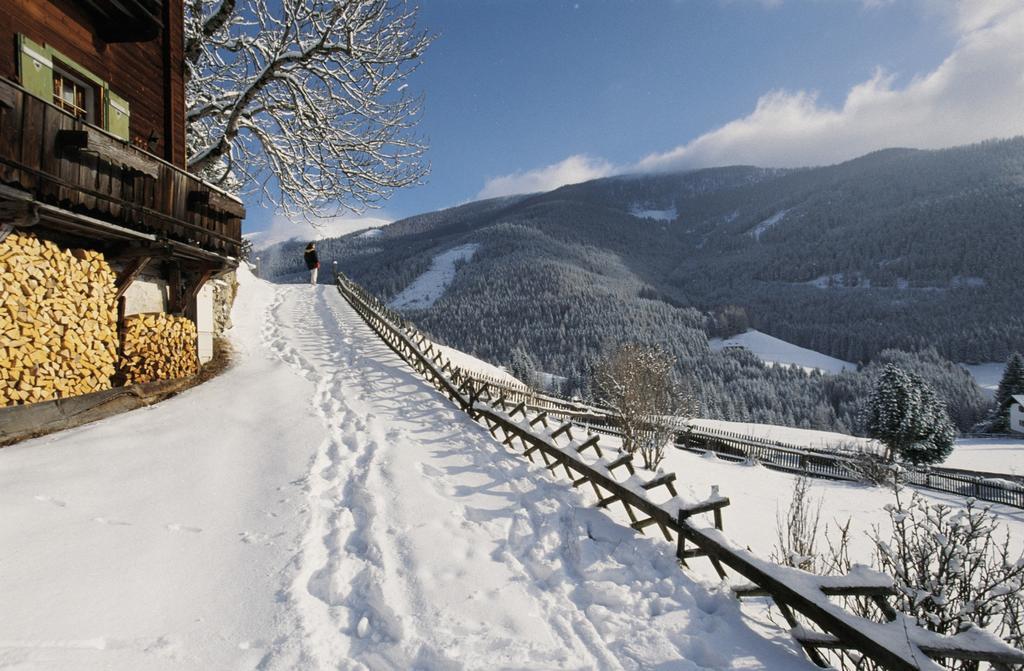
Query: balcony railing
(64, 162)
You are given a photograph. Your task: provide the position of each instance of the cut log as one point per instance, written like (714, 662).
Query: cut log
(58, 321)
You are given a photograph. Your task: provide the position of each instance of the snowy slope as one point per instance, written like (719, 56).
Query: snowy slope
(430, 286)
(772, 350)
(282, 230)
(319, 506)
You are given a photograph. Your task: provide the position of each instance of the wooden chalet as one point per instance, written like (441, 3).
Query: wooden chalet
(92, 155)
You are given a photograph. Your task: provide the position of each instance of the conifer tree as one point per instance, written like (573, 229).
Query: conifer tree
(1011, 384)
(907, 416)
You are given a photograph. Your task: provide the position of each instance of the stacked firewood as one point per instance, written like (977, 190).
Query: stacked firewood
(158, 346)
(58, 321)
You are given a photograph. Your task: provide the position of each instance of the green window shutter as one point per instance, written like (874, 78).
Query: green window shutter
(117, 115)
(36, 68)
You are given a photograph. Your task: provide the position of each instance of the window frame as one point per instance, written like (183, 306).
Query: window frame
(93, 103)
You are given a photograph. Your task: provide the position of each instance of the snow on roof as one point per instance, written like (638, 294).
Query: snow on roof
(1019, 398)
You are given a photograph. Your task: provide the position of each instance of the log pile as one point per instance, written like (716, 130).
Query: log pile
(158, 346)
(58, 321)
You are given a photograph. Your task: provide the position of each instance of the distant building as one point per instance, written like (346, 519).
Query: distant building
(1017, 414)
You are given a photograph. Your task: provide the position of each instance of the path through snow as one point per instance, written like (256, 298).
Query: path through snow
(319, 506)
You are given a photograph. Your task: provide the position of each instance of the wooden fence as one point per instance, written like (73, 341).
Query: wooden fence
(822, 627)
(1006, 489)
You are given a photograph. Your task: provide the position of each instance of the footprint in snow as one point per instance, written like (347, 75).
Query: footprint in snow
(50, 499)
(182, 527)
(110, 522)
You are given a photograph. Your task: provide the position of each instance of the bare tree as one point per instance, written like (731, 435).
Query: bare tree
(303, 101)
(640, 384)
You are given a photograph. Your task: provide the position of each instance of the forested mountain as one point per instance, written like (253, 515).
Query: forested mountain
(897, 251)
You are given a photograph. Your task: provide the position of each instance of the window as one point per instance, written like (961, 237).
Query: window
(47, 74)
(74, 94)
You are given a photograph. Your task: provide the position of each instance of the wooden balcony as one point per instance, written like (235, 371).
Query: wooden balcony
(58, 171)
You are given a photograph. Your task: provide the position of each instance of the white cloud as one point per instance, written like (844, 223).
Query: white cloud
(976, 93)
(575, 169)
(282, 229)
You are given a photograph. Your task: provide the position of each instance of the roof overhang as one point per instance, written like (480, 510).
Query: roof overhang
(126, 20)
(48, 216)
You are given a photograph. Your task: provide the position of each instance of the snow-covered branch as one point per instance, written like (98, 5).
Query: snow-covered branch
(302, 100)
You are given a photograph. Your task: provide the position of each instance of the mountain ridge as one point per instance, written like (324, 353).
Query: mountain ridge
(897, 250)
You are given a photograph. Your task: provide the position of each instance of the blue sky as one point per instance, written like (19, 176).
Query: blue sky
(527, 94)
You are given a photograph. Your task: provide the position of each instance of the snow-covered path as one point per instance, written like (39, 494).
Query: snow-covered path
(320, 507)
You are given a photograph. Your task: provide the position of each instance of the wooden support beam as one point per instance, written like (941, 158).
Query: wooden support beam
(707, 506)
(643, 524)
(625, 460)
(663, 481)
(196, 286)
(19, 213)
(174, 297)
(809, 649)
(565, 428)
(131, 270)
(541, 418)
(591, 443)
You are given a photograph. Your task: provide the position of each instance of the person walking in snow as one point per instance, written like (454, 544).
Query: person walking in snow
(312, 262)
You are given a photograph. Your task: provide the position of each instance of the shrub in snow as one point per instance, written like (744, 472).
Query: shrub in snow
(639, 383)
(952, 567)
(798, 530)
(906, 415)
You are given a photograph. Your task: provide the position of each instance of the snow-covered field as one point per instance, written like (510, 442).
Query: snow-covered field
(772, 350)
(757, 494)
(318, 506)
(426, 289)
(470, 363)
(991, 455)
(806, 438)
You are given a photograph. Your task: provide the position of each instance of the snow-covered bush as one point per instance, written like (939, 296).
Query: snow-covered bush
(798, 530)
(953, 567)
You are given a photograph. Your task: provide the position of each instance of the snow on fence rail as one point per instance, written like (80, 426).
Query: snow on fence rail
(651, 500)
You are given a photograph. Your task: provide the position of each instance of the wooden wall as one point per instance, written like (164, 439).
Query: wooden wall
(149, 75)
